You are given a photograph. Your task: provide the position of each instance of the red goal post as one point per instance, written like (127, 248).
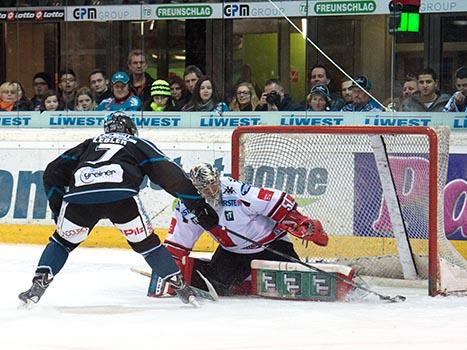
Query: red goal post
(377, 190)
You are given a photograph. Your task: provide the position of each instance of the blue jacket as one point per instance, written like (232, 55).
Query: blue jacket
(131, 103)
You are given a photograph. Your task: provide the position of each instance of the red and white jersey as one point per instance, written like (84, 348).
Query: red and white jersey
(244, 209)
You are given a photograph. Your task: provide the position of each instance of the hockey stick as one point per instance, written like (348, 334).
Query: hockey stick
(395, 299)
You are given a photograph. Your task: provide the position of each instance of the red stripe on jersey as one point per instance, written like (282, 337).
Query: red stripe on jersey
(173, 222)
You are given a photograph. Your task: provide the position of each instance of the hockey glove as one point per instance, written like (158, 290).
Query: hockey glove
(303, 227)
(207, 216)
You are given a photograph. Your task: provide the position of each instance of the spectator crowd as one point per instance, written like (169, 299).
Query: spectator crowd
(136, 90)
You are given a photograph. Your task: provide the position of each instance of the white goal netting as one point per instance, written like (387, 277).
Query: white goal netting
(336, 175)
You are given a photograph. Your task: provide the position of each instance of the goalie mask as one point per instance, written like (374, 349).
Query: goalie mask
(206, 180)
(120, 122)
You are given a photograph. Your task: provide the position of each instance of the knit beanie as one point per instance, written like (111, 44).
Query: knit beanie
(160, 88)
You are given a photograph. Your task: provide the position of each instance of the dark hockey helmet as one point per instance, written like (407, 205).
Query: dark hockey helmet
(120, 122)
(206, 180)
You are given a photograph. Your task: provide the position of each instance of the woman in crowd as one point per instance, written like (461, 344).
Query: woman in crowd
(22, 102)
(7, 96)
(12, 97)
(161, 98)
(179, 93)
(205, 98)
(318, 99)
(51, 102)
(245, 98)
(84, 100)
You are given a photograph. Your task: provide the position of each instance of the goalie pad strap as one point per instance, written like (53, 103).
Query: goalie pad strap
(285, 204)
(177, 251)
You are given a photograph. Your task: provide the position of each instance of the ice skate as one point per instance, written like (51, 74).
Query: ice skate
(183, 290)
(40, 282)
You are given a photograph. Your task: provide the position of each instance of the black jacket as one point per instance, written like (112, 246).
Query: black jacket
(285, 105)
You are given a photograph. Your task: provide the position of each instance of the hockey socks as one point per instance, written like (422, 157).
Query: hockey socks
(53, 257)
(161, 262)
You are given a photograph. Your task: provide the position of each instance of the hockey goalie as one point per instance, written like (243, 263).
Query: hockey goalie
(264, 215)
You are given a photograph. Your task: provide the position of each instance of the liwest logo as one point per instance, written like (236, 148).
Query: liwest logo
(237, 10)
(85, 13)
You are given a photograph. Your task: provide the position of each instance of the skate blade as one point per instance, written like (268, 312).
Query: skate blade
(193, 301)
(28, 305)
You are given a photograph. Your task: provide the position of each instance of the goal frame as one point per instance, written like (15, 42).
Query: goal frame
(430, 133)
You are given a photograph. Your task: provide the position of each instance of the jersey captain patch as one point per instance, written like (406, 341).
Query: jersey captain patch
(265, 195)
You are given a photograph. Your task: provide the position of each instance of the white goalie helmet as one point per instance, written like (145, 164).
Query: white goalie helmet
(206, 180)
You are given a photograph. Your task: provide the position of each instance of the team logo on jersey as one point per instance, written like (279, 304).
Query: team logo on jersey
(229, 216)
(229, 190)
(245, 189)
(231, 202)
(265, 195)
(90, 176)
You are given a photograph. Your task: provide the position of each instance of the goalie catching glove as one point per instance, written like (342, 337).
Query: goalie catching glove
(289, 219)
(303, 227)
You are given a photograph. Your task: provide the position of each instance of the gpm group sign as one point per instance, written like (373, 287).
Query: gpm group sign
(85, 13)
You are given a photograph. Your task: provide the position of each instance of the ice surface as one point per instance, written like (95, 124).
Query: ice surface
(96, 303)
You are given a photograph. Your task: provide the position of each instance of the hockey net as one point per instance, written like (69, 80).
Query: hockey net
(378, 192)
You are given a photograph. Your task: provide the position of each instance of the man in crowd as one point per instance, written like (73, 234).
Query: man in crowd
(319, 74)
(274, 98)
(41, 83)
(346, 91)
(99, 85)
(100, 179)
(191, 76)
(140, 80)
(458, 101)
(68, 84)
(427, 98)
(361, 101)
(262, 214)
(123, 98)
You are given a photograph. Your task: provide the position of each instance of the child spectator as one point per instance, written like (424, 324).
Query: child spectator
(161, 98)
(51, 101)
(84, 100)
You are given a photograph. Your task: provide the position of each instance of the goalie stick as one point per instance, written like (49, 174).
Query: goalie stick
(395, 299)
(211, 294)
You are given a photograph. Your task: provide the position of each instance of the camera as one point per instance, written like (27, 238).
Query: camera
(273, 98)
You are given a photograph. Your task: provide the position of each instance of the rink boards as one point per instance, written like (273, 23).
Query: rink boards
(24, 153)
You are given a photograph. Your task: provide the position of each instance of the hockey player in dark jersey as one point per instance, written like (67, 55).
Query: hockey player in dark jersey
(103, 176)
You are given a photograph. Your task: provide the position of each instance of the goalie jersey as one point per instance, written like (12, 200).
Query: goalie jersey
(245, 209)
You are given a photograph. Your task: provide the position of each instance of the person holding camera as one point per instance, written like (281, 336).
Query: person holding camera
(274, 98)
